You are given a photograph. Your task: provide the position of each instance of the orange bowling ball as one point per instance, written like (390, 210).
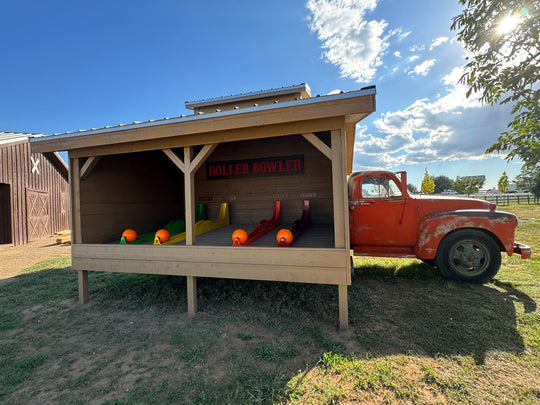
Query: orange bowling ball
(163, 235)
(129, 235)
(240, 235)
(284, 235)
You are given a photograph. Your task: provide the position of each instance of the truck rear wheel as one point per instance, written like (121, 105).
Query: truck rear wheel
(468, 256)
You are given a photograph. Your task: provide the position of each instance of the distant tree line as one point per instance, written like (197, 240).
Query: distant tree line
(527, 180)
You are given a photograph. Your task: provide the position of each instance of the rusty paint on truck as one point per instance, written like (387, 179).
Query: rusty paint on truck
(386, 221)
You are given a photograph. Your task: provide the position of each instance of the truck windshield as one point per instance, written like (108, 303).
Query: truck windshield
(380, 188)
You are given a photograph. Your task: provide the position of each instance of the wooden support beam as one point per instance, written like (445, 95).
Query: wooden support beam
(189, 196)
(82, 279)
(339, 186)
(350, 132)
(189, 199)
(192, 295)
(175, 159)
(88, 166)
(320, 145)
(75, 190)
(341, 215)
(75, 219)
(343, 307)
(202, 156)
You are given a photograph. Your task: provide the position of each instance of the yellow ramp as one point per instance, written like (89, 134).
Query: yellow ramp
(203, 226)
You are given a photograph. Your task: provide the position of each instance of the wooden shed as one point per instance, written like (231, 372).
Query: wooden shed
(34, 199)
(247, 151)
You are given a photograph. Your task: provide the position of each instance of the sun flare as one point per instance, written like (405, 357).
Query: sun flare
(508, 24)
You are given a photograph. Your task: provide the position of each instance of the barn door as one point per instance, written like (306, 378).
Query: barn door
(37, 211)
(5, 214)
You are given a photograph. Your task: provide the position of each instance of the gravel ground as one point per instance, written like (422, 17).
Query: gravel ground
(14, 259)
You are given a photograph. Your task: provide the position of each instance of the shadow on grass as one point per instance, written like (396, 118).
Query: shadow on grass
(249, 338)
(414, 309)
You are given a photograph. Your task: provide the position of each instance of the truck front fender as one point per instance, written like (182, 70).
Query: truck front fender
(431, 230)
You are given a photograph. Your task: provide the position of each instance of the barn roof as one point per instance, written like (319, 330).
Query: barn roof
(9, 138)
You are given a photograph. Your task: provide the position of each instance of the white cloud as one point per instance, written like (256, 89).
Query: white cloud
(449, 128)
(437, 42)
(423, 68)
(352, 43)
(397, 54)
(413, 57)
(416, 48)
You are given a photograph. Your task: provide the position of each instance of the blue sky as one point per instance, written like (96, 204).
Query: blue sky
(69, 65)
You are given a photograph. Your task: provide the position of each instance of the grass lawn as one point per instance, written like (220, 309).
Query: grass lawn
(414, 337)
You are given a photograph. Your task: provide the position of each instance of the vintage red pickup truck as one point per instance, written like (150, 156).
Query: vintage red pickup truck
(463, 237)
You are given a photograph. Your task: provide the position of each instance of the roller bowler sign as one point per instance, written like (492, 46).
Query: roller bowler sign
(261, 167)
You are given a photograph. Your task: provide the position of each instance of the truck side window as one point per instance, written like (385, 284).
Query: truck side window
(380, 188)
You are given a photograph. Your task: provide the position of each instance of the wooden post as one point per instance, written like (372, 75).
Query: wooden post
(343, 307)
(189, 196)
(75, 220)
(341, 215)
(339, 186)
(82, 278)
(191, 295)
(189, 200)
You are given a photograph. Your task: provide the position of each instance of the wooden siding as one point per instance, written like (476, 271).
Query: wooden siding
(251, 199)
(142, 191)
(23, 176)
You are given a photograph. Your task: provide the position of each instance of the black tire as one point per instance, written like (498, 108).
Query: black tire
(468, 256)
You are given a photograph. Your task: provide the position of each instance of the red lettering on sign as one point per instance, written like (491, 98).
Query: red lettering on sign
(272, 166)
(289, 165)
(280, 165)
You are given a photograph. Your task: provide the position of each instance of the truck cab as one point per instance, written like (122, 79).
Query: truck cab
(461, 236)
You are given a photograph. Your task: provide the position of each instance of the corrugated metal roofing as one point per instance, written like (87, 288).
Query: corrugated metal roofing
(12, 137)
(299, 88)
(370, 90)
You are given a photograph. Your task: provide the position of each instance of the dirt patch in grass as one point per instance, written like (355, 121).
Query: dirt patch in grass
(14, 259)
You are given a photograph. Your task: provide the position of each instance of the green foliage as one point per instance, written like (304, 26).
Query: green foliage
(428, 185)
(443, 183)
(505, 68)
(468, 185)
(525, 179)
(535, 188)
(412, 188)
(502, 184)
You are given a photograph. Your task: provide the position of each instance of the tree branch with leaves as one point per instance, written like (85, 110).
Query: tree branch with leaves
(501, 38)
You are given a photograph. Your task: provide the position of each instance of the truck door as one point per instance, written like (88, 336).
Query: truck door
(378, 213)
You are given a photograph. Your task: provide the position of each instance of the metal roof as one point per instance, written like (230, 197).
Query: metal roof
(299, 88)
(12, 137)
(365, 91)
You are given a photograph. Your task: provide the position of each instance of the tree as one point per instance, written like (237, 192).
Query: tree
(468, 185)
(412, 188)
(503, 182)
(428, 185)
(535, 188)
(504, 67)
(525, 179)
(443, 183)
